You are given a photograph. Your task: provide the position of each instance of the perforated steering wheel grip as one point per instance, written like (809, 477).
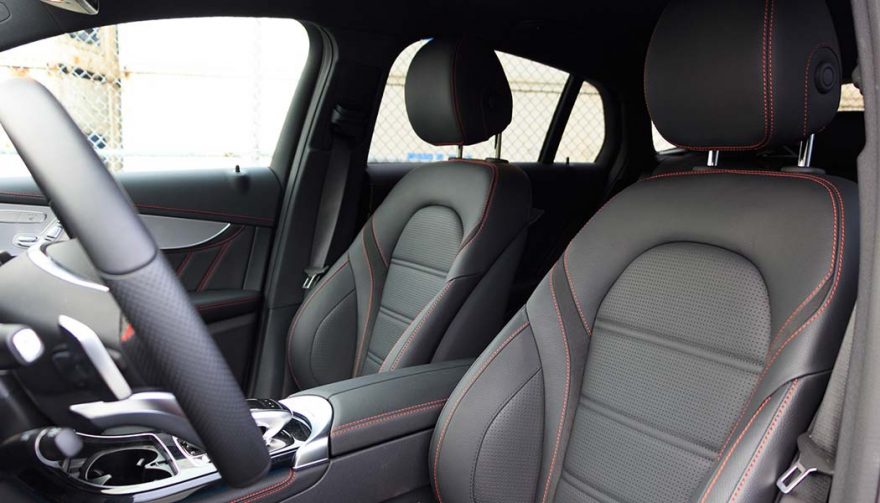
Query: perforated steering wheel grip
(173, 343)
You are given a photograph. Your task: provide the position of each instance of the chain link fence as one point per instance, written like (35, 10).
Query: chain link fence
(82, 69)
(536, 90)
(169, 94)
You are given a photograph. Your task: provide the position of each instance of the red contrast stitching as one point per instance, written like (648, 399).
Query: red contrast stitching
(418, 327)
(127, 333)
(765, 439)
(493, 168)
(299, 312)
(267, 491)
(455, 94)
(376, 240)
(23, 194)
(217, 260)
(565, 390)
(733, 448)
(836, 260)
(767, 84)
(806, 84)
(205, 212)
(363, 338)
(387, 416)
(471, 383)
(577, 301)
(183, 264)
(225, 303)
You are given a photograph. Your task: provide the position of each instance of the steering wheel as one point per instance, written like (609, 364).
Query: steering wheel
(170, 341)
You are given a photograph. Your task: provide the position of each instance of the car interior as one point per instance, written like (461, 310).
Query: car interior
(440, 251)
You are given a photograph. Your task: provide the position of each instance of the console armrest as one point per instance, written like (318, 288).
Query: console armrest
(373, 409)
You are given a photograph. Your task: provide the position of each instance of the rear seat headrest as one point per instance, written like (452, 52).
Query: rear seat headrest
(742, 74)
(457, 93)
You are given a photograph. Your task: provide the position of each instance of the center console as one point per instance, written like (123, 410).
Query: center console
(322, 443)
(158, 464)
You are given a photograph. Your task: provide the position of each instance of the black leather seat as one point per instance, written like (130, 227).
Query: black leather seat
(685, 338)
(427, 278)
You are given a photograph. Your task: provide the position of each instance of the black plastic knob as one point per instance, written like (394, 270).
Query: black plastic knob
(826, 77)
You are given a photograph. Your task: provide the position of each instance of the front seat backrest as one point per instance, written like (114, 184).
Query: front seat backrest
(685, 338)
(428, 276)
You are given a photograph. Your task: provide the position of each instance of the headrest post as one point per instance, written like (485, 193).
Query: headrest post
(712, 160)
(498, 146)
(805, 152)
(461, 151)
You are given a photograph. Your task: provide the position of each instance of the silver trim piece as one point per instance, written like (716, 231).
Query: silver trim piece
(155, 409)
(38, 256)
(318, 414)
(98, 355)
(143, 409)
(173, 233)
(712, 159)
(805, 152)
(28, 345)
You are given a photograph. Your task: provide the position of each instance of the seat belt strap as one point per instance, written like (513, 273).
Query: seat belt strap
(808, 479)
(346, 126)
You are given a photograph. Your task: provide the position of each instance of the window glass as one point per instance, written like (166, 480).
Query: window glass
(850, 100)
(170, 94)
(536, 89)
(584, 133)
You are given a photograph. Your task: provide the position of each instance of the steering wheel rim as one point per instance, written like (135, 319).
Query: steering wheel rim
(170, 342)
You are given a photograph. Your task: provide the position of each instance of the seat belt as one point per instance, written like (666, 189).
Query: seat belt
(808, 480)
(346, 126)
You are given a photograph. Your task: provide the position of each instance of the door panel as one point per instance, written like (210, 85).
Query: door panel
(214, 226)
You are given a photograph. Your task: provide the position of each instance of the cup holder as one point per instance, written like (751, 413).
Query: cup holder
(125, 466)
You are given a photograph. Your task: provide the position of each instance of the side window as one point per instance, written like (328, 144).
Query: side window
(851, 100)
(170, 94)
(536, 90)
(584, 132)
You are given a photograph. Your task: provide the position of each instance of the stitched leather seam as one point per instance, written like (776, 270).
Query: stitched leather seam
(455, 94)
(765, 439)
(362, 339)
(418, 327)
(493, 169)
(183, 263)
(299, 312)
(577, 302)
(732, 449)
(464, 393)
(387, 416)
(218, 259)
(376, 240)
(806, 84)
(23, 194)
(838, 256)
(266, 491)
(502, 405)
(230, 302)
(767, 85)
(204, 212)
(565, 389)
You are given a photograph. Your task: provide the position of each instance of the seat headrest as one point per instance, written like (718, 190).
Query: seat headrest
(457, 93)
(742, 74)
